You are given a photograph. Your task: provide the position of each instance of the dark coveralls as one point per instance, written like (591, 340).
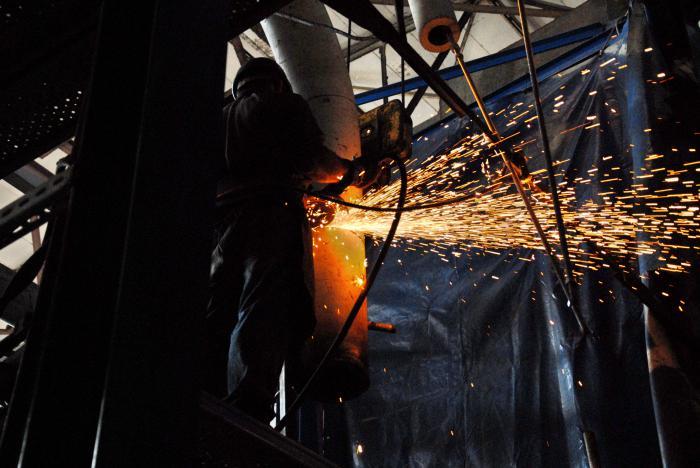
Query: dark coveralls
(261, 303)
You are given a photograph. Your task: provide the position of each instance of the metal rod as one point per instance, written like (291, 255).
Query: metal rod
(472, 87)
(385, 77)
(630, 281)
(402, 32)
(545, 4)
(36, 245)
(561, 228)
(314, 24)
(368, 17)
(495, 138)
(509, 18)
(347, 58)
(589, 442)
(241, 54)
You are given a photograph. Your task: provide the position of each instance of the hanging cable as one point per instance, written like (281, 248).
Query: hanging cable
(358, 302)
(380, 209)
(525, 30)
(306, 22)
(401, 23)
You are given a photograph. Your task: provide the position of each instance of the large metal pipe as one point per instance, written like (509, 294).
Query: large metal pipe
(435, 21)
(315, 65)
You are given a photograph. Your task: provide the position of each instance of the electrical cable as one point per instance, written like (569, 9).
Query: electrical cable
(358, 302)
(380, 209)
(306, 22)
(401, 23)
(347, 59)
(421, 206)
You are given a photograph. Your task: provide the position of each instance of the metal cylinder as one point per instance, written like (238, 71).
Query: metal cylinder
(315, 65)
(435, 20)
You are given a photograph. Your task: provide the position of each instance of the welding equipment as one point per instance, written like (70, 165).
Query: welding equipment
(386, 134)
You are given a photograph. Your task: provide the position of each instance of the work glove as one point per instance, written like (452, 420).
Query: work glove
(361, 173)
(366, 171)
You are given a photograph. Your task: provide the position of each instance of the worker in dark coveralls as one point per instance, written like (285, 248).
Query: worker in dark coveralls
(261, 303)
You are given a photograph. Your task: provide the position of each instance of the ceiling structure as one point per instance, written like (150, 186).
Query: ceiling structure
(484, 34)
(487, 31)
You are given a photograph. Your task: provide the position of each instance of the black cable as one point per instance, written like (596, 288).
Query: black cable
(306, 22)
(546, 149)
(347, 59)
(402, 32)
(403, 82)
(358, 302)
(335, 199)
(421, 206)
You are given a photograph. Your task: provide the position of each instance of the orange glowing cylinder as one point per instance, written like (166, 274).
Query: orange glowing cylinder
(315, 66)
(339, 262)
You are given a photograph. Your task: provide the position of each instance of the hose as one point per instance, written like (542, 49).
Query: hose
(360, 299)
(380, 209)
(423, 206)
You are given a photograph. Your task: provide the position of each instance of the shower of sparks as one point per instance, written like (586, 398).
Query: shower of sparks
(655, 215)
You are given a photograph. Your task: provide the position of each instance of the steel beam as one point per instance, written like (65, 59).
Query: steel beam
(109, 376)
(382, 64)
(29, 177)
(362, 48)
(241, 54)
(489, 61)
(367, 16)
(548, 5)
(490, 9)
(509, 18)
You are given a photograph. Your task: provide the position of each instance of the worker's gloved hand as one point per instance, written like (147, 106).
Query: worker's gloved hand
(361, 173)
(366, 170)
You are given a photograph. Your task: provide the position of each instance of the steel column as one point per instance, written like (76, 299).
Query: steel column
(114, 359)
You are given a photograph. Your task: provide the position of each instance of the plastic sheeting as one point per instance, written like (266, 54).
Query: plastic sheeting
(487, 367)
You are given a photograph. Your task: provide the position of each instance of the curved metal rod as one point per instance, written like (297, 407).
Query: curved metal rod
(544, 138)
(495, 138)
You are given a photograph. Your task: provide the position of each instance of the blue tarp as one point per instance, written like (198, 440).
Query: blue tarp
(492, 372)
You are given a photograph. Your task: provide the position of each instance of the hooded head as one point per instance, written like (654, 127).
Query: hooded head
(260, 74)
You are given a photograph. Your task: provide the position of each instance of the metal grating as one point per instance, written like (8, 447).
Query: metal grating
(46, 48)
(41, 112)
